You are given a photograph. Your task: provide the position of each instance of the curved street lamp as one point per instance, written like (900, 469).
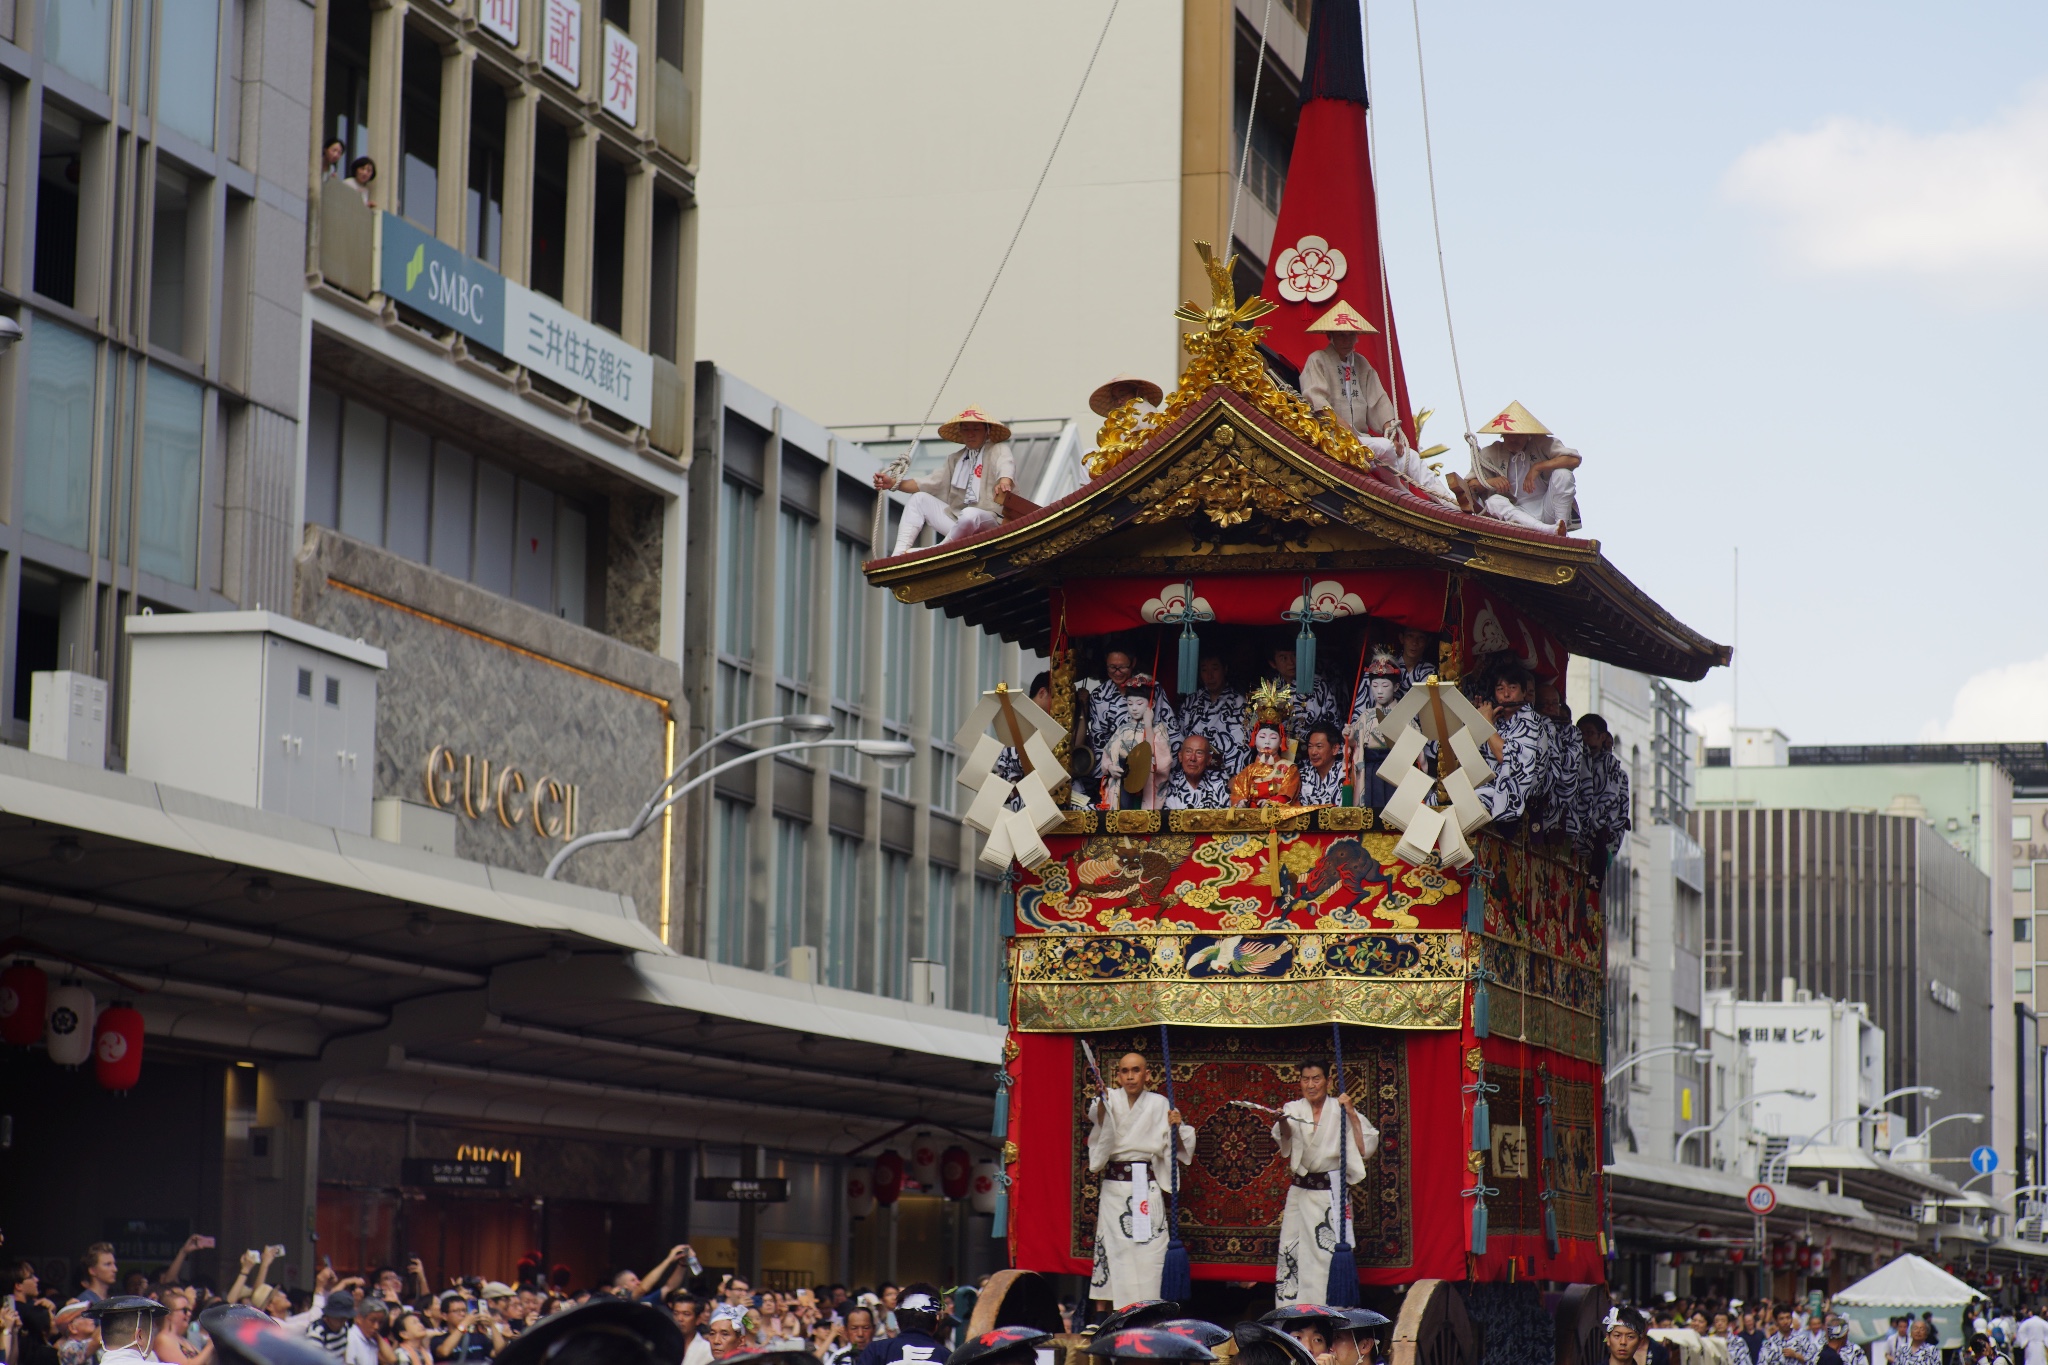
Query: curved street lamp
(890, 753)
(1921, 1136)
(1678, 1147)
(1628, 1063)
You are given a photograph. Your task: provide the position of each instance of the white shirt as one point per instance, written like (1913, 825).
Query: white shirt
(2031, 1336)
(1309, 1140)
(126, 1355)
(1133, 1130)
(698, 1352)
(360, 1349)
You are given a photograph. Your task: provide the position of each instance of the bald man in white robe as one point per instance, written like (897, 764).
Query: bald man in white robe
(1131, 1131)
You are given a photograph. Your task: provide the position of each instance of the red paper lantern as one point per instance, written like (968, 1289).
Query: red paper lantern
(860, 1190)
(117, 1046)
(24, 1000)
(888, 1178)
(956, 1172)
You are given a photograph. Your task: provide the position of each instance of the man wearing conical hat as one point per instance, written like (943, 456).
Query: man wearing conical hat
(1525, 478)
(1339, 380)
(968, 497)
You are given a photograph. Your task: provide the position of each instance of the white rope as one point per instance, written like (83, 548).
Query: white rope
(1436, 222)
(1244, 156)
(902, 462)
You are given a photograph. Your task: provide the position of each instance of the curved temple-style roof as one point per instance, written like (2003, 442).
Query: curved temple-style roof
(1293, 509)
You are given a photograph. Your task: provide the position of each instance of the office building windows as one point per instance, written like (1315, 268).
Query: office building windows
(947, 639)
(348, 78)
(484, 225)
(850, 593)
(739, 511)
(842, 910)
(983, 975)
(936, 942)
(892, 938)
(75, 37)
(796, 616)
(57, 484)
(786, 921)
(899, 683)
(729, 821)
(549, 270)
(419, 131)
(608, 254)
(167, 522)
(60, 174)
(188, 38)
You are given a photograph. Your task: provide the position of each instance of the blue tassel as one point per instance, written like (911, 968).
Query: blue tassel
(999, 1225)
(1549, 1132)
(1190, 664)
(1550, 1227)
(1305, 671)
(1482, 1011)
(1479, 1228)
(1177, 1275)
(1482, 1126)
(1001, 1126)
(1343, 1287)
(1475, 906)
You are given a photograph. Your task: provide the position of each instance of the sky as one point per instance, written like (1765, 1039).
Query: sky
(1778, 272)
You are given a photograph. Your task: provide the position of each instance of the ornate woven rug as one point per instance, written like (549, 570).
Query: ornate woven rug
(1233, 1193)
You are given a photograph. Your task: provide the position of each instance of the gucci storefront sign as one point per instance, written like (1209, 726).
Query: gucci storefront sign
(544, 805)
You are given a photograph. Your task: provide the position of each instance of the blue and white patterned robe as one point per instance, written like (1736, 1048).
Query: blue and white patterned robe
(1518, 772)
(1321, 789)
(1219, 719)
(1211, 793)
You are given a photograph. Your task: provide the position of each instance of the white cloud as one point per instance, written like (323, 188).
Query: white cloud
(2008, 704)
(1966, 209)
(1713, 724)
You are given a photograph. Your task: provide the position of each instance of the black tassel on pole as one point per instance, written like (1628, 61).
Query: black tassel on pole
(1343, 1287)
(1177, 1279)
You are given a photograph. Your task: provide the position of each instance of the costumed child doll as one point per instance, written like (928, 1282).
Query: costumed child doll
(1139, 754)
(1270, 779)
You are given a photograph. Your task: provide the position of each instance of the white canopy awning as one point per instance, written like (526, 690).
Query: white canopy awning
(1911, 1282)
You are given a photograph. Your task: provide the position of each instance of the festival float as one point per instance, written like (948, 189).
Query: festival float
(1454, 968)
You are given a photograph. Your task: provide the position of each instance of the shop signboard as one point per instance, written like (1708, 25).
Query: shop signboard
(729, 1189)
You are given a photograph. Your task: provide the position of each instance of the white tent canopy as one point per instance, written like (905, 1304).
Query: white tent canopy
(1908, 1282)
(1908, 1285)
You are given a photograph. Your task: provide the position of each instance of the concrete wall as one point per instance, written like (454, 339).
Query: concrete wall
(862, 176)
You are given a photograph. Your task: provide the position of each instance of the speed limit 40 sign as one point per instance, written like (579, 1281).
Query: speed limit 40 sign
(1762, 1199)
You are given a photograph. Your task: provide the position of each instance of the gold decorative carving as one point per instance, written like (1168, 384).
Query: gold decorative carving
(1131, 821)
(1054, 546)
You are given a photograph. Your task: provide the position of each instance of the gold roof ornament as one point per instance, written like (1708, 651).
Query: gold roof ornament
(950, 431)
(1224, 350)
(1342, 318)
(1515, 420)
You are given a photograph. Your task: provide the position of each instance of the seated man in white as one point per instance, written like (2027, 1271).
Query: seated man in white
(1340, 381)
(1525, 478)
(969, 495)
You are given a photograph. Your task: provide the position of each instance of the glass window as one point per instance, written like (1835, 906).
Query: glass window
(786, 925)
(608, 255)
(173, 429)
(572, 562)
(484, 229)
(2023, 827)
(841, 908)
(2023, 877)
(988, 664)
(938, 919)
(739, 516)
(892, 939)
(362, 472)
(348, 78)
(496, 493)
(409, 492)
(2022, 928)
(795, 592)
(947, 638)
(985, 947)
(454, 505)
(167, 256)
(729, 880)
(323, 455)
(899, 686)
(188, 47)
(550, 207)
(533, 562)
(2023, 980)
(57, 483)
(850, 592)
(419, 131)
(77, 37)
(60, 172)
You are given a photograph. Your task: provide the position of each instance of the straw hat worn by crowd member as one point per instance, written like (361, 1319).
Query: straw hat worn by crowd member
(1525, 478)
(1143, 395)
(1307, 1131)
(1344, 383)
(1133, 1132)
(968, 495)
(1270, 779)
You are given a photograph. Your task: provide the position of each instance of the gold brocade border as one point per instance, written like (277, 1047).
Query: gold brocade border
(1073, 1008)
(1327, 819)
(1543, 1023)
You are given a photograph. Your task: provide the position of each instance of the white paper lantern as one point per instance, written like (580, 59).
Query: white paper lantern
(924, 1158)
(72, 1012)
(860, 1190)
(982, 1193)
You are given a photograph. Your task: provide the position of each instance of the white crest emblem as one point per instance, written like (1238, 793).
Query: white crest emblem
(1309, 270)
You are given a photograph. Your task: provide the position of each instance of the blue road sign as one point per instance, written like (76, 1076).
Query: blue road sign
(1984, 1160)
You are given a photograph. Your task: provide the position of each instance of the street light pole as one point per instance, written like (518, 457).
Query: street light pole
(1921, 1136)
(888, 752)
(1678, 1147)
(1628, 1063)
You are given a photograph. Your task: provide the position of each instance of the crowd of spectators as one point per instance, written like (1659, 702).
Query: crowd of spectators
(1792, 1332)
(396, 1317)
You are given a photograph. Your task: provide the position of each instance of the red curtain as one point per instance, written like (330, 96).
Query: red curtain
(1405, 597)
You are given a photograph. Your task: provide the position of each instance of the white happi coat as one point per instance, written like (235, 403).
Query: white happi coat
(1350, 389)
(1128, 1266)
(1308, 1232)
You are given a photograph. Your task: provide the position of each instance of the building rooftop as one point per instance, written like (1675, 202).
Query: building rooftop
(2028, 763)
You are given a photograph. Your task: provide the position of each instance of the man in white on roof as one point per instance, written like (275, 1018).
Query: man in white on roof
(969, 496)
(1525, 478)
(1340, 381)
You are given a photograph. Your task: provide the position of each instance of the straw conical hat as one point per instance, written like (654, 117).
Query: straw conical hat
(1120, 390)
(1515, 419)
(1342, 318)
(968, 417)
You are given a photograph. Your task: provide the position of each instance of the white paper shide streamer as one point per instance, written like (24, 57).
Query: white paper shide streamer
(1446, 717)
(1007, 719)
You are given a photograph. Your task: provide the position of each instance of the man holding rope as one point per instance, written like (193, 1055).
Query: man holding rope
(1307, 1136)
(1131, 1130)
